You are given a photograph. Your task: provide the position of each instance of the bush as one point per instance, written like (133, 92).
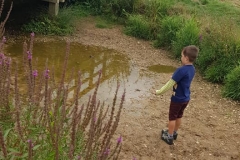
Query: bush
(218, 70)
(157, 9)
(231, 88)
(63, 24)
(138, 26)
(187, 35)
(170, 25)
(219, 53)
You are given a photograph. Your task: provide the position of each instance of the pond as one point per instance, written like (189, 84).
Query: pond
(89, 60)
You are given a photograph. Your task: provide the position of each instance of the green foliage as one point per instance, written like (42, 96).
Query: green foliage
(218, 56)
(231, 88)
(187, 35)
(157, 9)
(45, 122)
(138, 26)
(217, 71)
(170, 25)
(103, 22)
(117, 8)
(204, 2)
(62, 24)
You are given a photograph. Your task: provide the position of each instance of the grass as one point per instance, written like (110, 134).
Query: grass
(104, 22)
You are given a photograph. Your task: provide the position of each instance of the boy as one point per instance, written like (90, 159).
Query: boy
(180, 82)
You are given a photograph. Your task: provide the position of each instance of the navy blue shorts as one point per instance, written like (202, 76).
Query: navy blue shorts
(176, 110)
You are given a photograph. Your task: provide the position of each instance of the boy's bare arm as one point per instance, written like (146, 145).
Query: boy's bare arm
(166, 87)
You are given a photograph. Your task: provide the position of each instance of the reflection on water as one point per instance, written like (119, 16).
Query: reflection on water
(87, 59)
(162, 68)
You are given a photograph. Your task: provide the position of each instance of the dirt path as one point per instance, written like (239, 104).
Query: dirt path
(211, 124)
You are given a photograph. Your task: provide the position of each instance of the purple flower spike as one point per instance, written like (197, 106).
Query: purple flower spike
(2, 56)
(29, 55)
(32, 34)
(79, 157)
(29, 141)
(134, 158)
(46, 74)
(35, 73)
(107, 151)
(4, 39)
(119, 140)
(8, 62)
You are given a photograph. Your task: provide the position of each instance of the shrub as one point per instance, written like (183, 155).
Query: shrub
(219, 52)
(231, 88)
(218, 70)
(138, 26)
(187, 35)
(63, 24)
(157, 9)
(170, 25)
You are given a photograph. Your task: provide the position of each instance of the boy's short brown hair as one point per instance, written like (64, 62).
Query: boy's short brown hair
(191, 52)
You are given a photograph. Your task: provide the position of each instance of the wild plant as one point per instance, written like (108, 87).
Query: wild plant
(45, 123)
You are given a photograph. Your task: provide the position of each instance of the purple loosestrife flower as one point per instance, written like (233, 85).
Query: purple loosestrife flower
(32, 34)
(107, 151)
(134, 158)
(46, 73)
(119, 140)
(29, 55)
(8, 61)
(35, 73)
(2, 56)
(4, 39)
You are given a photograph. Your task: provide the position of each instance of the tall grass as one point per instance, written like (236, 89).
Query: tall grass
(231, 88)
(187, 35)
(45, 123)
(169, 27)
(138, 26)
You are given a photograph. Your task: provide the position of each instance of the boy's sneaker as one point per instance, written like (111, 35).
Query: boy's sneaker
(165, 131)
(167, 139)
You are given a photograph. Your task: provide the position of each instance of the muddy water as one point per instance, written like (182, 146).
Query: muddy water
(89, 60)
(161, 68)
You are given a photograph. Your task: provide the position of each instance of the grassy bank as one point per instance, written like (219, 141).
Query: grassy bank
(170, 24)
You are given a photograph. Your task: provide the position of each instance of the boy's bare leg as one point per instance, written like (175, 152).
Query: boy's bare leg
(177, 124)
(171, 127)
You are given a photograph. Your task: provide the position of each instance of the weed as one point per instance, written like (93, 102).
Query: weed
(46, 123)
(231, 88)
(187, 35)
(138, 26)
(170, 25)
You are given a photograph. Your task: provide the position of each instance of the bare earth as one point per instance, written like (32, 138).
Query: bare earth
(211, 124)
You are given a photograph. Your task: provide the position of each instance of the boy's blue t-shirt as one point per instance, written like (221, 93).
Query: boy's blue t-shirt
(183, 77)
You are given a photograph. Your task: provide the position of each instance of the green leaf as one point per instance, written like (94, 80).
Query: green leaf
(36, 147)
(24, 155)
(13, 150)
(6, 133)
